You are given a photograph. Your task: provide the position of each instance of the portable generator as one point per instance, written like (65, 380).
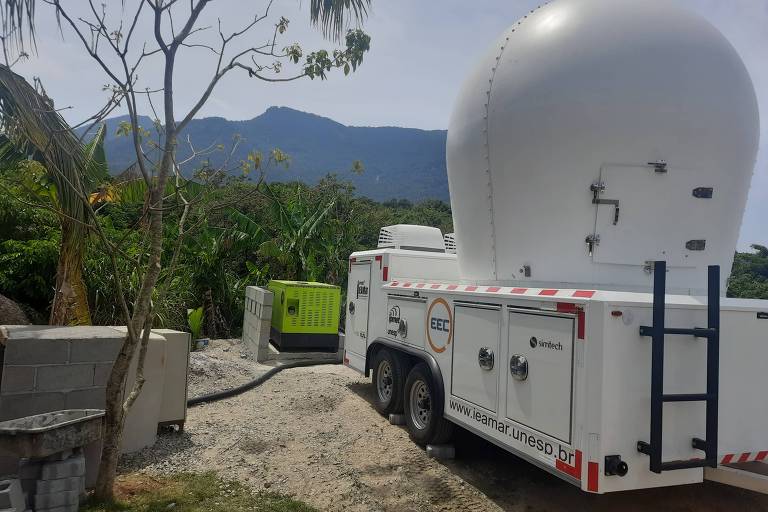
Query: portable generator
(305, 316)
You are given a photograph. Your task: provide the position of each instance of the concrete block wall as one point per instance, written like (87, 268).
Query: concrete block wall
(257, 321)
(44, 369)
(51, 369)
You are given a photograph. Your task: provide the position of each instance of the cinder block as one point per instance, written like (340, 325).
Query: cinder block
(49, 502)
(61, 377)
(74, 483)
(29, 469)
(28, 404)
(21, 351)
(11, 495)
(18, 378)
(74, 466)
(91, 398)
(260, 295)
(95, 350)
(441, 451)
(101, 374)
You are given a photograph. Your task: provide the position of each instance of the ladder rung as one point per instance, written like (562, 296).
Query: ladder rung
(688, 464)
(690, 397)
(696, 331)
(699, 332)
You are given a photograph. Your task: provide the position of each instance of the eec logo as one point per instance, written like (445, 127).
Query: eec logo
(439, 325)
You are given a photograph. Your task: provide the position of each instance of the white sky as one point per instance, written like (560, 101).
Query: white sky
(421, 51)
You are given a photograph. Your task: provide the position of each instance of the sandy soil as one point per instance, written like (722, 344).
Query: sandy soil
(312, 433)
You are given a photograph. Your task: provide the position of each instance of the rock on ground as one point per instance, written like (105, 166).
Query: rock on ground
(11, 313)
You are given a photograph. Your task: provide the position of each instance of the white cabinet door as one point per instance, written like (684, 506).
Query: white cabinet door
(476, 363)
(358, 291)
(540, 363)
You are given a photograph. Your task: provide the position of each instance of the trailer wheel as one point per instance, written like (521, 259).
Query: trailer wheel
(388, 378)
(425, 426)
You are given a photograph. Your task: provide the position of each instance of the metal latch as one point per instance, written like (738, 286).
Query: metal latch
(597, 189)
(660, 166)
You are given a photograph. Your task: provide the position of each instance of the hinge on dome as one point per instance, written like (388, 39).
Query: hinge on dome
(592, 241)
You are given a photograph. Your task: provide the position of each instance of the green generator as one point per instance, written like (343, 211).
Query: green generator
(305, 316)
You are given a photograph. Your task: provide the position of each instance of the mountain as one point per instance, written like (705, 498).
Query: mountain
(401, 163)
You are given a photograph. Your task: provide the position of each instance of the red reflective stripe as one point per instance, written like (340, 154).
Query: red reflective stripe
(518, 291)
(567, 307)
(548, 292)
(492, 289)
(761, 456)
(574, 471)
(407, 285)
(584, 294)
(592, 476)
(470, 288)
(435, 286)
(744, 457)
(727, 459)
(385, 274)
(394, 283)
(451, 287)
(420, 285)
(378, 258)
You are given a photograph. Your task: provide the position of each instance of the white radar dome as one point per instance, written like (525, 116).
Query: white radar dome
(596, 136)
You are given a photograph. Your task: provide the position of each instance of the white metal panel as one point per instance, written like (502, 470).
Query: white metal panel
(358, 293)
(405, 320)
(476, 327)
(574, 86)
(624, 235)
(743, 405)
(543, 401)
(625, 393)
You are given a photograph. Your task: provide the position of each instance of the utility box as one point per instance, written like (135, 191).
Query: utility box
(305, 316)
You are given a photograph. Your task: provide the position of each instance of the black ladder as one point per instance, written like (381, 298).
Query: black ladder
(658, 398)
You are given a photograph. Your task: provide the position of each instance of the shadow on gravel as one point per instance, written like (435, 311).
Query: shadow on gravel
(514, 484)
(169, 442)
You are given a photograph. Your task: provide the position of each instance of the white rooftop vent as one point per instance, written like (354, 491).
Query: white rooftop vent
(450, 243)
(413, 238)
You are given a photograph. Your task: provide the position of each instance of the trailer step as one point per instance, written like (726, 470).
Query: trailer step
(657, 332)
(752, 476)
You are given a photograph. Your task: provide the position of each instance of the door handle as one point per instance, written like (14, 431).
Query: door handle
(485, 358)
(351, 308)
(518, 367)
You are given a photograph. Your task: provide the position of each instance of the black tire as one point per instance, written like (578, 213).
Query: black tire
(424, 426)
(388, 378)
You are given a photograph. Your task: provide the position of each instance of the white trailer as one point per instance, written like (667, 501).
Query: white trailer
(599, 158)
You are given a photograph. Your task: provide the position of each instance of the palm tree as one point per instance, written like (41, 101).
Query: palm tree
(332, 16)
(32, 126)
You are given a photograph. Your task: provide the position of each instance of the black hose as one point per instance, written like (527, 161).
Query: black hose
(261, 379)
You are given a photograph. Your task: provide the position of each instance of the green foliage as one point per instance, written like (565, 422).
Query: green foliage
(749, 277)
(195, 321)
(190, 492)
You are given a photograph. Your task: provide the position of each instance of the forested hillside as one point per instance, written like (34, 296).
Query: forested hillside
(398, 162)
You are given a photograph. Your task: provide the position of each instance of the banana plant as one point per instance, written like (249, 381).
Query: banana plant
(296, 244)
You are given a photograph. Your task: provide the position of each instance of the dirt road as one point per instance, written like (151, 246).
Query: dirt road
(312, 433)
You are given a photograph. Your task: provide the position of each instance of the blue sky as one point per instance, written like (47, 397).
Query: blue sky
(421, 51)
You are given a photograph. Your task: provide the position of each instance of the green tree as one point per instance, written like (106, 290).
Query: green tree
(110, 40)
(749, 276)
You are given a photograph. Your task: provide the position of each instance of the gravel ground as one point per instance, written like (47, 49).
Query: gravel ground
(312, 433)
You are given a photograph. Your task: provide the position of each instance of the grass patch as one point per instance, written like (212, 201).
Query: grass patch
(189, 492)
